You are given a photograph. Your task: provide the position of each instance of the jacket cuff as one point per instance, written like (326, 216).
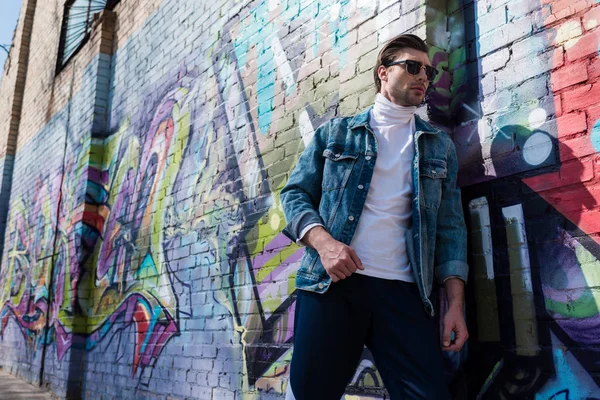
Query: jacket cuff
(294, 229)
(304, 232)
(452, 269)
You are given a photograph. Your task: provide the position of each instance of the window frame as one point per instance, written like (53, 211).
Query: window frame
(61, 61)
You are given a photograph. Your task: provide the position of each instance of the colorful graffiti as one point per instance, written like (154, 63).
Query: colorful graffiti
(182, 192)
(130, 180)
(41, 268)
(173, 220)
(532, 243)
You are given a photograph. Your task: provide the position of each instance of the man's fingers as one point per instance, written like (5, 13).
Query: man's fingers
(347, 266)
(356, 259)
(447, 334)
(338, 269)
(454, 347)
(343, 264)
(334, 277)
(461, 336)
(458, 343)
(351, 266)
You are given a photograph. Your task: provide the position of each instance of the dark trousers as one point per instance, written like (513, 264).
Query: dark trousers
(387, 316)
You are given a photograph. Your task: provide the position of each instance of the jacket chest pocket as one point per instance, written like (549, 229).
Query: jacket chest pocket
(338, 167)
(432, 174)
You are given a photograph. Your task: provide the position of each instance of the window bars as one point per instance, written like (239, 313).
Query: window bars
(77, 25)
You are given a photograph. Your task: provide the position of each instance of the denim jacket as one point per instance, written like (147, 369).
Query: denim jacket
(330, 183)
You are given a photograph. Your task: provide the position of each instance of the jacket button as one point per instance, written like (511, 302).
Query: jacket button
(361, 187)
(367, 158)
(337, 155)
(321, 286)
(351, 218)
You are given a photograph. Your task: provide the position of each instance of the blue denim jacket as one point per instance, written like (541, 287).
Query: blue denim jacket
(330, 183)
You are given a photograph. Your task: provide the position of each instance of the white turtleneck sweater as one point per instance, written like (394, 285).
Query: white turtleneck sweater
(379, 237)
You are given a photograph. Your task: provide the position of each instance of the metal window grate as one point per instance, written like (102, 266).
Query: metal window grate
(77, 25)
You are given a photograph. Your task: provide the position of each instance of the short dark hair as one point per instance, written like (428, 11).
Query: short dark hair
(392, 47)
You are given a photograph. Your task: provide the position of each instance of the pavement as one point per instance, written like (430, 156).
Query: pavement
(12, 388)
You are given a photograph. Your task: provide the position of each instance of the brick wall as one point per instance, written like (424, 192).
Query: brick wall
(12, 103)
(143, 234)
(529, 170)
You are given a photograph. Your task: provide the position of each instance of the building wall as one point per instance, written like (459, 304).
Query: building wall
(530, 175)
(143, 256)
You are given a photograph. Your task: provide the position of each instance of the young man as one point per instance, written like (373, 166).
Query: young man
(374, 199)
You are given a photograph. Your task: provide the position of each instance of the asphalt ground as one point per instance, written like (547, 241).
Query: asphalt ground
(12, 388)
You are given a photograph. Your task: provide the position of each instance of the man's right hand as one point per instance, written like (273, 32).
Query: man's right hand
(340, 261)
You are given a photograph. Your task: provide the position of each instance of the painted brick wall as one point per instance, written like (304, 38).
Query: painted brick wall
(529, 155)
(143, 256)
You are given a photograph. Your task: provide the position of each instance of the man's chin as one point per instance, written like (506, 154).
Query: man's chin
(408, 101)
(416, 101)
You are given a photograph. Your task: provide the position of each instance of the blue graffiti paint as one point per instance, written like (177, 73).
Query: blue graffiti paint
(339, 29)
(570, 379)
(595, 136)
(147, 268)
(156, 311)
(257, 31)
(336, 13)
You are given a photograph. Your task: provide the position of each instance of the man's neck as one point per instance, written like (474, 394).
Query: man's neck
(384, 111)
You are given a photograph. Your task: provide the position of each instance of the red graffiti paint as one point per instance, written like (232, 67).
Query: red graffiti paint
(575, 82)
(140, 317)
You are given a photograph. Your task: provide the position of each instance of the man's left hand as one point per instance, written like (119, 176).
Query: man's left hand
(454, 321)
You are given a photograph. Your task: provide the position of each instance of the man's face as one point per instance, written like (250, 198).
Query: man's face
(400, 87)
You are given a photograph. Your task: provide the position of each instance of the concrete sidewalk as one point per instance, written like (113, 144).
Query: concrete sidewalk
(12, 388)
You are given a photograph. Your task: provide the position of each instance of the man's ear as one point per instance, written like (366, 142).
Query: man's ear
(382, 72)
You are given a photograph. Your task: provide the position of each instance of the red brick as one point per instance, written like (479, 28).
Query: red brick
(582, 5)
(575, 172)
(597, 165)
(581, 97)
(565, 8)
(578, 196)
(575, 148)
(594, 69)
(591, 19)
(571, 200)
(569, 174)
(590, 222)
(558, 57)
(559, 5)
(569, 75)
(571, 123)
(584, 46)
(558, 110)
(593, 114)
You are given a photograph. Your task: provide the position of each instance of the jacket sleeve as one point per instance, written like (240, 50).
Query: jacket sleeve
(451, 236)
(301, 195)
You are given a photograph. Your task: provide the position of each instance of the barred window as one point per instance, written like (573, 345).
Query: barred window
(77, 25)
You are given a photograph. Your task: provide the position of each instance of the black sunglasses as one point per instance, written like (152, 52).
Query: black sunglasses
(414, 68)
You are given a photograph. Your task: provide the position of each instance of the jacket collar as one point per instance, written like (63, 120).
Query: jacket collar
(362, 119)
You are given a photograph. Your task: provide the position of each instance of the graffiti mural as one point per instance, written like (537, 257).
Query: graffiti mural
(128, 200)
(188, 187)
(41, 267)
(533, 303)
(159, 242)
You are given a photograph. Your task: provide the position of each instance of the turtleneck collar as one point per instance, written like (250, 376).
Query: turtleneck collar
(388, 113)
